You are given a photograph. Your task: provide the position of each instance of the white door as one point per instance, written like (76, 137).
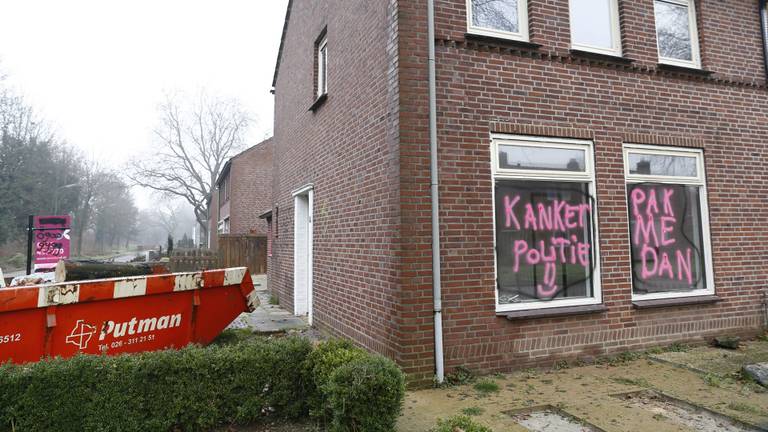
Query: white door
(302, 255)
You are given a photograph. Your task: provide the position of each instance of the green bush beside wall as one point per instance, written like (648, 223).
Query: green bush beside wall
(197, 389)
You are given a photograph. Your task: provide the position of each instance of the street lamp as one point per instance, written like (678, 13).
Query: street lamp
(56, 196)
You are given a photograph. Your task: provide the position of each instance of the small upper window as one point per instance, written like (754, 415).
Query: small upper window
(322, 67)
(764, 16)
(676, 34)
(595, 26)
(501, 18)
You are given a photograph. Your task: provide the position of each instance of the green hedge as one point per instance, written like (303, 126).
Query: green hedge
(197, 389)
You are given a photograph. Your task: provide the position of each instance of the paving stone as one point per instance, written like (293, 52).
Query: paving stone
(268, 318)
(758, 372)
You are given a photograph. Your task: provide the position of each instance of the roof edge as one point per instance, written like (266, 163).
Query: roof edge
(282, 43)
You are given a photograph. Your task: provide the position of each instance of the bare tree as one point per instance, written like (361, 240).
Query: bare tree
(194, 143)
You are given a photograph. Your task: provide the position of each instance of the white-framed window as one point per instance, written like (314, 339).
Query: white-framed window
(223, 226)
(764, 16)
(322, 67)
(668, 222)
(545, 218)
(595, 26)
(677, 36)
(499, 18)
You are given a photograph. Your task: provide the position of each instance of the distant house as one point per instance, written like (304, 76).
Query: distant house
(243, 193)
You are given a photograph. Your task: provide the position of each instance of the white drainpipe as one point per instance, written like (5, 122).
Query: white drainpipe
(435, 183)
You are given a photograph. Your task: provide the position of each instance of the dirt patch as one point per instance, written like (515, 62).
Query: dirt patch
(716, 360)
(588, 393)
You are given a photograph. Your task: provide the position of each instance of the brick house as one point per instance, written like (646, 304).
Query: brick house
(600, 177)
(243, 192)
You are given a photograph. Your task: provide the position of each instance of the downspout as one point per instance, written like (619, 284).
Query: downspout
(764, 26)
(435, 183)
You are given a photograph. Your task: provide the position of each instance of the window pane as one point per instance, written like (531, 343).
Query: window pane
(662, 165)
(541, 158)
(591, 23)
(543, 241)
(673, 31)
(496, 14)
(667, 240)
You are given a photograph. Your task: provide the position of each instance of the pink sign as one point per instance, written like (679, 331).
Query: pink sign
(51, 240)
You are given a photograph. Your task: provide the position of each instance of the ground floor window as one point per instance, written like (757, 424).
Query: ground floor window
(668, 222)
(545, 217)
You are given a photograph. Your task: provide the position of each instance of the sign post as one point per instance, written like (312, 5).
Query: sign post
(48, 241)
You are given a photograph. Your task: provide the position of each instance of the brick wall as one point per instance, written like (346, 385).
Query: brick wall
(366, 151)
(251, 176)
(347, 149)
(486, 88)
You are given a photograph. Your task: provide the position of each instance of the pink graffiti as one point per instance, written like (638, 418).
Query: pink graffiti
(560, 251)
(555, 216)
(562, 248)
(654, 244)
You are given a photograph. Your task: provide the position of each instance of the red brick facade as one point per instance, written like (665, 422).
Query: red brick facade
(250, 192)
(366, 151)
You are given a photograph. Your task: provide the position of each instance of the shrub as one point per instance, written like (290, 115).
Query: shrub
(196, 389)
(366, 395)
(190, 389)
(459, 423)
(320, 365)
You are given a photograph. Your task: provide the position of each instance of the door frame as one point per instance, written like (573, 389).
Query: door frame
(305, 193)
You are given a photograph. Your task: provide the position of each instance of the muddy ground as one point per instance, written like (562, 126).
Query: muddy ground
(693, 390)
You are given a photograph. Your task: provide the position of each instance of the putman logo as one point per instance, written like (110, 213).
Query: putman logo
(81, 335)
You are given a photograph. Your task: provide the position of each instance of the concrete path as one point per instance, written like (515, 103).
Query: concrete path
(268, 318)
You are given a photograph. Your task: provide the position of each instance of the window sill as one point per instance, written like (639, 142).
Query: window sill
(502, 41)
(318, 102)
(553, 312)
(684, 70)
(606, 58)
(673, 302)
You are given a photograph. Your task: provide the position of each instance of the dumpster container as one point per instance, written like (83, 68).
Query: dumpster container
(126, 315)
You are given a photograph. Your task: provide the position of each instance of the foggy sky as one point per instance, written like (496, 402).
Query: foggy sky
(97, 69)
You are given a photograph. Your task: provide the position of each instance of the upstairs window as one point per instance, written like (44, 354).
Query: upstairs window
(676, 34)
(668, 222)
(322, 66)
(595, 26)
(764, 17)
(499, 18)
(546, 233)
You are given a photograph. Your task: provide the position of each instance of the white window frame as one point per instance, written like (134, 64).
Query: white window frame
(322, 67)
(587, 176)
(615, 49)
(764, 18)
(694, 29)
(522, 35)
(700, 181)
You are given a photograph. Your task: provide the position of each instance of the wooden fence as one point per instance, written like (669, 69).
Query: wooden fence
(234, 251)
(193, 260)
(243, 251)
